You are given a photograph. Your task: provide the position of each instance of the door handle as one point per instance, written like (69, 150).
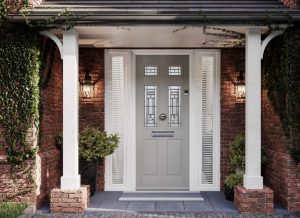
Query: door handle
(163, 133)
(162, 117)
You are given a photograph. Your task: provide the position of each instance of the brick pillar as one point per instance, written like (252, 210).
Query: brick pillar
(69, 201)
(259, 201)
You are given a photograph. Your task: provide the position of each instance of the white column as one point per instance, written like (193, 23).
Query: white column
(252, 177)
(70, 178)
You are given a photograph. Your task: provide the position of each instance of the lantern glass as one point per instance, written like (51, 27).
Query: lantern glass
(241, 90)
(87, 90)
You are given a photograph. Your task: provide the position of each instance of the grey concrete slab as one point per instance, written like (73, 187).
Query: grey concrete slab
(141, 206)
(198, 206)
(113, 205)
(169, 206)
(280, 210)
(219, 203)
(97, 199)
(113, 196)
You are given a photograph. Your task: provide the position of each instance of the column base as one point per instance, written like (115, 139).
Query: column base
(253, 182)
(69, 201)
(70, 183)
(259, 201)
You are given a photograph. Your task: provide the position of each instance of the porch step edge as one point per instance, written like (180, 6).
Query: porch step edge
(160, 199)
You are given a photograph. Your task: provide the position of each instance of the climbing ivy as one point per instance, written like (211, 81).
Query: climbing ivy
(19, 89)
(282, 79)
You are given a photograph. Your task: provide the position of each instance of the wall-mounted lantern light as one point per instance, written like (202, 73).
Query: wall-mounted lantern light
(240, 88)
(87, 85)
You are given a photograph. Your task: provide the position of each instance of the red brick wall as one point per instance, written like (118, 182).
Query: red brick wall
(51, 157)
(91, 110)
(17, 188)
(280, 172)
(232, 109)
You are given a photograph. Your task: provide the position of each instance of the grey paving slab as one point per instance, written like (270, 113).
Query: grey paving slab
(141, 206)
(98, 198)
(198, 206)
(219, 203)
(113, 196)
(113, 205)
(169, 206)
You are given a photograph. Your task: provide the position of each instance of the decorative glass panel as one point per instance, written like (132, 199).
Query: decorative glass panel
(151, 70)
(175, 70)
(207, 72)
(174, 106)
(150, 106)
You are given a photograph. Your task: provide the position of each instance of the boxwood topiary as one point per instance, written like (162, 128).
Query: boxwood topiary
(93, 143)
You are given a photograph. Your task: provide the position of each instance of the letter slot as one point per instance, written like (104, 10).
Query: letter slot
(163, 133)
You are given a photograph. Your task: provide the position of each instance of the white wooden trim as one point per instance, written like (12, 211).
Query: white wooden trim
(268, 40)
(196, 95)
(55, 40)
(195, 115)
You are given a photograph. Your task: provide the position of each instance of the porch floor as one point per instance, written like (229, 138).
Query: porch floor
(107, 204)
(213, 201)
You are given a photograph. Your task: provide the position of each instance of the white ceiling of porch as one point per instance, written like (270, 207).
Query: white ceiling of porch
(159, 36)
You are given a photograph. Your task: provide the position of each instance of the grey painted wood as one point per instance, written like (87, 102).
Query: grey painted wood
(162, 162)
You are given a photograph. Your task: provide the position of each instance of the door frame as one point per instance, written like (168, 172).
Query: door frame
(194, 116)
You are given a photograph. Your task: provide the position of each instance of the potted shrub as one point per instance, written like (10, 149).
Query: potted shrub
(237, 165)
(93, 146)
(230, 182)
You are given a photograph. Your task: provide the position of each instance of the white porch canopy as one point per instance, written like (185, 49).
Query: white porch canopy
(190, 38)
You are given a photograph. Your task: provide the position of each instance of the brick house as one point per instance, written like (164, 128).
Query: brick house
(140, 53)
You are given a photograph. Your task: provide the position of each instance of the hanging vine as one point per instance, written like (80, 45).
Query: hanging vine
(282, 79)
(19, 90)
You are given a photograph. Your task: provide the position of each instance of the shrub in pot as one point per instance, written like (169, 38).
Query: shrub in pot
(230, 182)
(237, 165)
(94, 145)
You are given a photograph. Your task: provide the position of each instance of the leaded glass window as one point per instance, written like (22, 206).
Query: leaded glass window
(150, 106)
(174, 106)
(151, 70)
(175, 70)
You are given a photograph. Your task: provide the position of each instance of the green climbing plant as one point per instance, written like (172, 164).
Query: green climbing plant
(19, 89)
(281, 71)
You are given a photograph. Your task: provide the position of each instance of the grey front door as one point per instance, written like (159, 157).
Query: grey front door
(162, 90)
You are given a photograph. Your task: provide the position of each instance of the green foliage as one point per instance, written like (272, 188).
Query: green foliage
(237, 154)
(233, 180)
(93, 143)
(3, 12)
(230, 182)
(7, 7)
(282, 79)
(19, 89)
(11, 210)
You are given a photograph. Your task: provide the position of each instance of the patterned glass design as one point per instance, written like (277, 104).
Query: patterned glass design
(175, 70)
(174, 106)
(151, 70)
(150, 106)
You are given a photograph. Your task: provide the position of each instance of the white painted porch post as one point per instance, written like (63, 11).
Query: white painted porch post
(252, 177)
(70, 178)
